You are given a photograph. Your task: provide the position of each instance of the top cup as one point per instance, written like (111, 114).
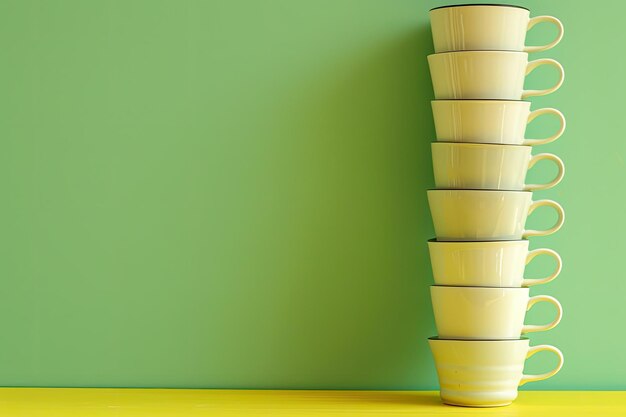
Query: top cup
(486, 28)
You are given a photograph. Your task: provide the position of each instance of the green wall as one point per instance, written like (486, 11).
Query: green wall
(233, 194)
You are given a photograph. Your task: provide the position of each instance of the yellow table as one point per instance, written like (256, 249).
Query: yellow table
(49, 402)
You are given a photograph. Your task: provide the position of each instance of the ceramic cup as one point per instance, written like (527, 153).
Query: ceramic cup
(489, 121)
(486, 27)
(485, 373)
(486, 75)
(477, 215)
(482, 166)
(486, 313)
(486, 264)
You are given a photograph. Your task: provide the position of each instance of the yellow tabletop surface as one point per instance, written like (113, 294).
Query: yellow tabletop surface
(48, 402)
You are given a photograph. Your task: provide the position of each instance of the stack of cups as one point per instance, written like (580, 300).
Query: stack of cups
(481, 201)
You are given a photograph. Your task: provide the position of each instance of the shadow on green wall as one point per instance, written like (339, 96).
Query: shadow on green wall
(356, 313)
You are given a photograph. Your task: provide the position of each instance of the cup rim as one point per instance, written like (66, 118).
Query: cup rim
(481, 100)
(481, 51)
(495, 242)
(480, 288)
(438, 339)
(475, 144)
(480, 190)
(479, 143)
(479, 4)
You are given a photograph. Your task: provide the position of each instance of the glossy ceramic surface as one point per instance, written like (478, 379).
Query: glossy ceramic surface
(477, 215)
(486, 264)
(486, 75)
(485, 373)
(482, 27)
(489, 121)
(486, 313)
(488, 167)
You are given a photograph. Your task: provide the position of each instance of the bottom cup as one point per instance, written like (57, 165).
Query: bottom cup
(485, 373)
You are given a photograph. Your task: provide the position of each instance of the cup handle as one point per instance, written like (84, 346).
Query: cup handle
(537, 63)
(555, 181)
(559, 210)
(531, 255)
(529, 328)
(539, 19)
(539, 112)
(540, 377)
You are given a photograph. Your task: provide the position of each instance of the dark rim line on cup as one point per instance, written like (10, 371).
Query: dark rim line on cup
(478, 50)
(478, 189)
(434, 239)
(480, 99)
(479, 340)
(479, 143)
(508, 51)
(479, 4)
(481, 287)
